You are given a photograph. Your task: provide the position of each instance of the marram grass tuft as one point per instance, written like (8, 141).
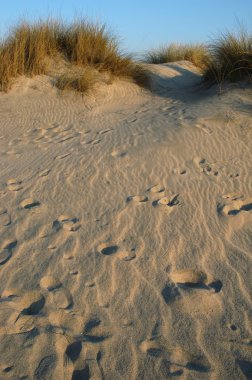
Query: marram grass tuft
(27, 48)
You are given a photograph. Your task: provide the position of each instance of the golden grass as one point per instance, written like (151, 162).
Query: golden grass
(24, 51)
(30, 48)
(27, 48)
(230, 58)
(195, 53)
(81, 82)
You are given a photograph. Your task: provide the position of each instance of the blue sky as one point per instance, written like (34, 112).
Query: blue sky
(140, 24)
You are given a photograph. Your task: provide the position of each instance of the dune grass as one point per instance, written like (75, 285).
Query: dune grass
(195, 53)
(26, 49)
(82, 82)
(230, 58)
(226, 58)
(30, 49)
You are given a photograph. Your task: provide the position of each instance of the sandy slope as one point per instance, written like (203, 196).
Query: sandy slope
(125, 224)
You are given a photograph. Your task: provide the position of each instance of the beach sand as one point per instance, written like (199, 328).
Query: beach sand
(126, 231)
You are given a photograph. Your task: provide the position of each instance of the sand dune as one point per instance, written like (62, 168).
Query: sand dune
(126, 221)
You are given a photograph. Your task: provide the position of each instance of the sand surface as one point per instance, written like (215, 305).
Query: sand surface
(126, 231)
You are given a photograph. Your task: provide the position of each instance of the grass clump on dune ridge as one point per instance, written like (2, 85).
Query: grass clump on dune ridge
(78, 81)
(24, 51)
(230, 58)
(27, 48)
(227, 58)
(195, 53)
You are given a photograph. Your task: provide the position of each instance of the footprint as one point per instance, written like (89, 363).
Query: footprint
(24, 324)
(192, 278)
(84, 373)
(66, 218)
(176, 356)
(49, 283)
(232, 327)
(157, 189)
(14, 184)
(44, 173)
(66, 138)
(5, 219)
(103, 131)
(88, 142)
(234, 205)
(167, 203)
(61, 156)
(170, 200)
(97, 141)
(72, 324)
(93, 332)
(29, 203)
(68, 223)
(30, 303)
(73, 351)
(179, 171)
(232, 196)
(132, 119)
(151, 347)
(62, 298)
(68, 255)
(126, 256)
(45, 368)
(109, 249)
(13, 181)
(188, 276)
(5, 255)
(9, 244)
(73, 272)
(199, 161)
(170, 293)
(232, 208)
(204, 167)
(180, 357)
(234, 175)
(86, 131)
(71, 226)
(247, 205)
(209, 170)
(6, 250)
(138, 198)
(91, 324)
(10, 293)
(118, 153)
